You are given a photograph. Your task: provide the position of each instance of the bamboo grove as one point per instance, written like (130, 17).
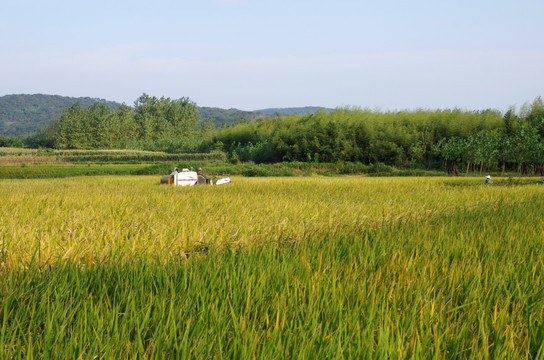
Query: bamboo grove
(481, 141)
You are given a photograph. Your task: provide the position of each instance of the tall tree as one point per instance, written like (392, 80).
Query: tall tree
(165, 118)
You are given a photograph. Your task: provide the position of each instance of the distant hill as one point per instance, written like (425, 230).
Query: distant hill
(221, 116)
(293, 110)
(24, 114)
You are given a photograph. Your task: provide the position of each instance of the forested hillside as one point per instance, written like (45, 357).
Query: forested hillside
(24, 114)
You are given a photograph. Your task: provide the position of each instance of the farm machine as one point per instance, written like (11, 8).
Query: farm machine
(188, 177)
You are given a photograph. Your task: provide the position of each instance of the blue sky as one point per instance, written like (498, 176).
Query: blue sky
(250, 54)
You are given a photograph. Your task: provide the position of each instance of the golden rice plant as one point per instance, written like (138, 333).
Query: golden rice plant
(345, 267)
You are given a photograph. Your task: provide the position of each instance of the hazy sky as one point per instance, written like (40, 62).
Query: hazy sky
(252, 54)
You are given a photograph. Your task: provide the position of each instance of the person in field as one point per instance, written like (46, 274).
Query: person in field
(488, 180)
(202, 179)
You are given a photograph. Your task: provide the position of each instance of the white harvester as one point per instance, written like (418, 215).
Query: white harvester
(188, 177)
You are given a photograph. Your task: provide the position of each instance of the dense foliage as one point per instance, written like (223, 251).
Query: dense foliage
(352, 135)
(152, 124)
(421, 138)
(518, 144)
(6, 141)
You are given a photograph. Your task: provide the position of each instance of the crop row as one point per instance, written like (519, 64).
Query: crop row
(11, 155)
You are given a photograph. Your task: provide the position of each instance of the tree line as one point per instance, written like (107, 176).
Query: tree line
(480, 140)
(165, 124)
(517, 145)
(457, 140)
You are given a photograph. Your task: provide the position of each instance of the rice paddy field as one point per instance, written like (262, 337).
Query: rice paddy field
(119, 267)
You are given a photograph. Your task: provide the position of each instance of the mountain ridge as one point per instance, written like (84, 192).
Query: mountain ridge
(23, 114)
